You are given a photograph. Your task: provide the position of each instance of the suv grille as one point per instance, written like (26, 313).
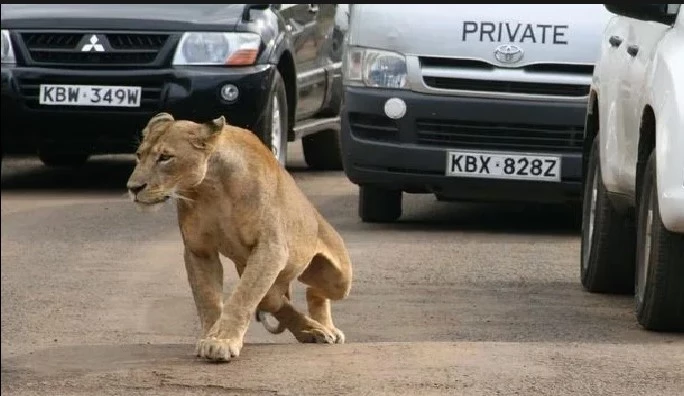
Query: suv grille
(491, 135)
(109, 49)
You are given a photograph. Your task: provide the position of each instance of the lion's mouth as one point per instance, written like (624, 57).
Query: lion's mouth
(153, 201)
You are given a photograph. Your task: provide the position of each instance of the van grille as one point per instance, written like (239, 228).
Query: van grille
(580, 72)
(373, 127)
(499, 135)
(458, 63)
(507, 86)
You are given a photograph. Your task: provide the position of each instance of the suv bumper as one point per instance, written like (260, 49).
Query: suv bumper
(191, 93)
(399, 155)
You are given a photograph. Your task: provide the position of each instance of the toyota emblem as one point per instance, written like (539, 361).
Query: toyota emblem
(508, 54)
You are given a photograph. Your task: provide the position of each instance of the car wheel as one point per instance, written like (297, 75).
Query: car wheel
(55, 159)
(322, 150)
(378, 205)
(659, 295)
(274, 128)
(607, 245)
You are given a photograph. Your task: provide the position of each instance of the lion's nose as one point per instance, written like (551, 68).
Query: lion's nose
(135, 188)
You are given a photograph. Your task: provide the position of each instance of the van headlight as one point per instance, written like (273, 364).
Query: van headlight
(7, 50)
(211, 48)
(375, 68)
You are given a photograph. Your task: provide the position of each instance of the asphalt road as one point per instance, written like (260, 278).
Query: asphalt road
(453, 299)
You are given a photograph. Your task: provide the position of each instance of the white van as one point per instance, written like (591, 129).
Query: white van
(467, 102)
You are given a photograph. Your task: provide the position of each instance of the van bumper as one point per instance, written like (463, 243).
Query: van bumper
(409, 154)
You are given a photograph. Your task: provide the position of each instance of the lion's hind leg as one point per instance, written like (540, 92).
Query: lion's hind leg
(305, 329)
(329, 277)
(319, 310)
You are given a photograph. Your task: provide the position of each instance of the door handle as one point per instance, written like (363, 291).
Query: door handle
(615, 41)
(313, 8)
(632, 49)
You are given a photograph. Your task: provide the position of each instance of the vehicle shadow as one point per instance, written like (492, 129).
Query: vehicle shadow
(517, 218)
(99, 174)
(422, 213)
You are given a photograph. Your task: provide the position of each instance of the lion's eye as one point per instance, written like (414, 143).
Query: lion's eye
(164, 157)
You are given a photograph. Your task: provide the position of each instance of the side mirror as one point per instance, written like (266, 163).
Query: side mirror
(249, 7)
(661, 13)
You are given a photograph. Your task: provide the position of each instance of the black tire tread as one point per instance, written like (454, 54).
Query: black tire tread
(611, 262)
(278, 87)
(377, 205)
(663, 307)
(322, 150)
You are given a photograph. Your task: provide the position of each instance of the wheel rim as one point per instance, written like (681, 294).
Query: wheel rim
(591, 221)
(276, 130)
(644, 260)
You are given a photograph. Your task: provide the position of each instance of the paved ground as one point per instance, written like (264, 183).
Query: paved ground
(452, 300)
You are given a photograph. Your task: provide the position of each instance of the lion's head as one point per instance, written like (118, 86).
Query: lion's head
(171, 158)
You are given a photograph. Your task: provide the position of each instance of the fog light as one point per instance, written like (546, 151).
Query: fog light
(229, 92)
(395, 108)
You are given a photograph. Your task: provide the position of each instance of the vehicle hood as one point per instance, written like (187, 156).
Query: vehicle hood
(557, 33)
(122, 16)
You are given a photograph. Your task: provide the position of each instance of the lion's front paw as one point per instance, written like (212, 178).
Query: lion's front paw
(218, 349)
(339, 335)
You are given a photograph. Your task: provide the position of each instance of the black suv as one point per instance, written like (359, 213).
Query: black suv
(84, 79)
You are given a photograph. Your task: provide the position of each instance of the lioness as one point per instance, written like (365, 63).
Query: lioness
(234, 198)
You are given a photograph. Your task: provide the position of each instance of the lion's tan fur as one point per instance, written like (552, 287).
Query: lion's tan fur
(235, 199)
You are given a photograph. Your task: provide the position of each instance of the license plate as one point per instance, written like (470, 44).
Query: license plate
(89, 95)
(503, 166)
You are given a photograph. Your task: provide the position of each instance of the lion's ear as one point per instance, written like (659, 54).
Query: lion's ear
(209, 131)
(155, 119)
(217, 124)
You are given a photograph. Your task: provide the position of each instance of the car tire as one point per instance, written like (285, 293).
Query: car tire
(379, 205)
(659, 295)
(322, 150)
(274, 129)
(56, 159)
(608, 237)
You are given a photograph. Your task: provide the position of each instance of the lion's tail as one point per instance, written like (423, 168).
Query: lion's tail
(270, 327)
(261, 316)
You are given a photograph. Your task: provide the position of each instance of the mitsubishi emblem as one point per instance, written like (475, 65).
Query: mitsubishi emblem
(93, 45)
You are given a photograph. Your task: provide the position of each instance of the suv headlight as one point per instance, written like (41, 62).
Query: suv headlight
(7, 50)
(375, 68)
(229, 49)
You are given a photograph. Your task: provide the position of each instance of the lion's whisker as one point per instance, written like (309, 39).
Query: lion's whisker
(175, 194)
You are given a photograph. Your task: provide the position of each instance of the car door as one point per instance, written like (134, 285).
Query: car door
(640, 46)
(302, 21)
(612, 66)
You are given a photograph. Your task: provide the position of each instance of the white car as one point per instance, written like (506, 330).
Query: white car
(633, 208)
